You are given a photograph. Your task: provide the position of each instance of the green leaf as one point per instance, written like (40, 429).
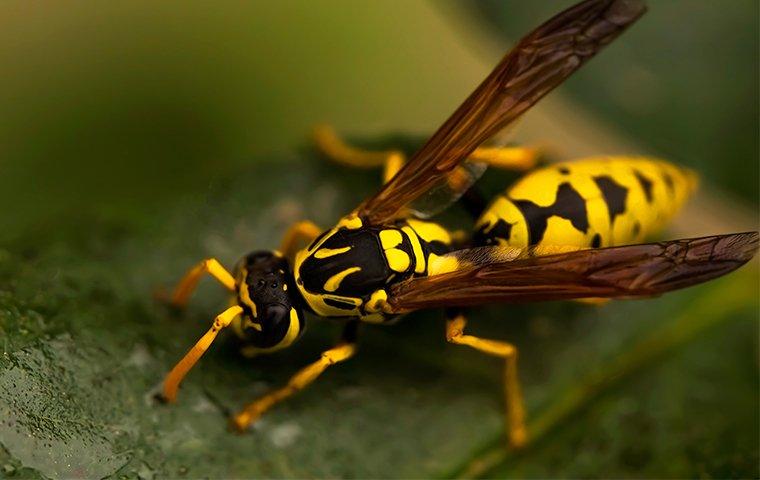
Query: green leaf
(663, 387)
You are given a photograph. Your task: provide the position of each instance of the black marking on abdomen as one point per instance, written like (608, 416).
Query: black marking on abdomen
(614, 195)
(596, 241)
(568, 205)
(646, 185)
(487, 236)
(668, 181)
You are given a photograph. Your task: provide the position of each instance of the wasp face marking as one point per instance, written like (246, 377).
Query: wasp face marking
(272, 318)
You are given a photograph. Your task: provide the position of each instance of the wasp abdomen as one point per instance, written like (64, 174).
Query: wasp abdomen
(587, 203)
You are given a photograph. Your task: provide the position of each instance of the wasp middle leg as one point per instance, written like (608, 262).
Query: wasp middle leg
(299, 233)
(515, 414)
(344, 350)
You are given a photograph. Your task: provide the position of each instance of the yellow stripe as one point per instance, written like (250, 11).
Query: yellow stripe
(333, 282)
(390, 238)
(398, 260)
(429, 231)
(419, 256)
(329, 252)
(443, 264)
(351, 222)
(245, 295)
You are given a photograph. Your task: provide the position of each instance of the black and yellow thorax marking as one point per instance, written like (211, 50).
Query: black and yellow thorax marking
(592, 203)
(346, 270)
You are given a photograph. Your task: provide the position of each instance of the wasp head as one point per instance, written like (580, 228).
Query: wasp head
(272, 316)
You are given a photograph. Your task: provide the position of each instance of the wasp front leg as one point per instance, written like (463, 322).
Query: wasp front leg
(515, 410)
(190, 281)
(344, 350)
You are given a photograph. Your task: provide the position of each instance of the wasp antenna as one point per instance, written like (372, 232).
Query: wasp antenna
(173, 379)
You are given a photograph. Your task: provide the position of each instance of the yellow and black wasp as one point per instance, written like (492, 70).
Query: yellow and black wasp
(558, 233)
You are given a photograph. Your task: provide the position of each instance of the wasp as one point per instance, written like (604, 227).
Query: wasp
(571, 230)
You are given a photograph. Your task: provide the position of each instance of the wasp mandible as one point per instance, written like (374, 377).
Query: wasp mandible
(570, 230)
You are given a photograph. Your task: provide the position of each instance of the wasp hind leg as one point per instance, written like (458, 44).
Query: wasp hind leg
(344, 350)
(593, 301)
(520, 159)
(515, 410)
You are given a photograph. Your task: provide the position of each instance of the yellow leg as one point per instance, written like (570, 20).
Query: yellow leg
(188, 283)
(507, 158)
(329, 143)
(173, 379)
(392, 165)
(299, 232)
(341, 352)
(510, 158)
(594, 301)
(515, 410)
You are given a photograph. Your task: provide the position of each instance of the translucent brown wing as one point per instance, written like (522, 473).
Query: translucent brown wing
(494, 274)
(540, 61)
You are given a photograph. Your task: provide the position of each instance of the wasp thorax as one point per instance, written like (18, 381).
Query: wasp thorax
(272, 318)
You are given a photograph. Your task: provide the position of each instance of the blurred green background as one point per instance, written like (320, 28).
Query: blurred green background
(138, 137)
(121, 106)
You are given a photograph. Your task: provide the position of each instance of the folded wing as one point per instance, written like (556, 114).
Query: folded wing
(496, 274)
(536, 65)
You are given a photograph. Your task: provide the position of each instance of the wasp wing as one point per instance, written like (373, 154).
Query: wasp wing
(496, 274)
(540, 61)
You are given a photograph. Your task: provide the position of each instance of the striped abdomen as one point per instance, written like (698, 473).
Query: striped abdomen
(594, 202)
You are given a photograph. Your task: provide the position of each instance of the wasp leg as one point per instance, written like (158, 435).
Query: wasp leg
(344, 350)
(515, 414)
(304, 231)
(507, 158)
(593, 301)
(188, 283)
(327, 141)
(173, 379)
(331, 145)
